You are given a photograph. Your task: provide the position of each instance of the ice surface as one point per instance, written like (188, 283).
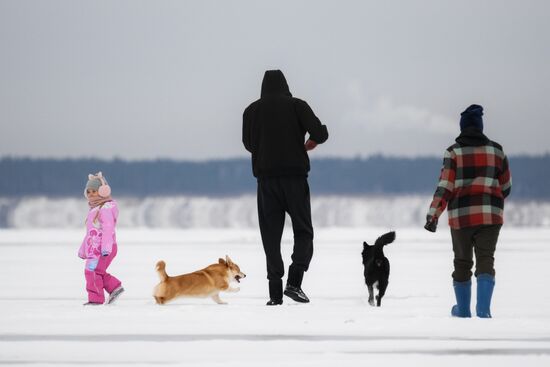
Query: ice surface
(43, 322)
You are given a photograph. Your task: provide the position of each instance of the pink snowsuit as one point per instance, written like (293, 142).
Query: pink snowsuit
(99, 248)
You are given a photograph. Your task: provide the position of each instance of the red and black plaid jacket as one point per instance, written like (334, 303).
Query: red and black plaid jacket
(474, 181)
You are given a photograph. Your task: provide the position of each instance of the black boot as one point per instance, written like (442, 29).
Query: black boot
(293, 285)
(296, 294)
(275, 292)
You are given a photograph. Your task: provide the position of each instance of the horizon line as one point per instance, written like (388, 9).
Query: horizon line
(236, 158)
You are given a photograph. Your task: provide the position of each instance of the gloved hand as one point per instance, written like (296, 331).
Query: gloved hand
(431, 223)
(103, 253)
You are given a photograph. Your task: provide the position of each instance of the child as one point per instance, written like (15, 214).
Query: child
(99, 247)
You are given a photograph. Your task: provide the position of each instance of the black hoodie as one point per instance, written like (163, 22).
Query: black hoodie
(274, 129)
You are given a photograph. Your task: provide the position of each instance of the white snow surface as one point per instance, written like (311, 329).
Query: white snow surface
(43, 322)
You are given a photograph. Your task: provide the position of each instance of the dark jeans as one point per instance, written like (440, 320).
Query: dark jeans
(481, 239)
(277, 196)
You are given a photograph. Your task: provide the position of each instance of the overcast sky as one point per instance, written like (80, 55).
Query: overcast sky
(170, 79)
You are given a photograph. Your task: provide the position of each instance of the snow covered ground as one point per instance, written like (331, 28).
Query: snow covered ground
(42, 321)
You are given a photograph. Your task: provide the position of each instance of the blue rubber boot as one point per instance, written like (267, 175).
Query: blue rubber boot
(485, 286)
(463, 294)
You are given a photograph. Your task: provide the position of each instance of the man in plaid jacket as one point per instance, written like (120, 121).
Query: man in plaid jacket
(475, 180)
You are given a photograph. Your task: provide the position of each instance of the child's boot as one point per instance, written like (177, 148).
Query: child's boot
(114, 295)
(485, 286)
(463, 294)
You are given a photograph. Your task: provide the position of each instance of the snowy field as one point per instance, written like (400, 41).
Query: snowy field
(42, 321)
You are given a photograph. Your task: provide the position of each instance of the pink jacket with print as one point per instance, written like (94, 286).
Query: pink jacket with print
(100, 235)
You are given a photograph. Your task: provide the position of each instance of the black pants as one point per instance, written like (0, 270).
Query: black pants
(277, 196)
(481, 239)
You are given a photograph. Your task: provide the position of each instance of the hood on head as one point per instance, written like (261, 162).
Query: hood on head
(274, 83)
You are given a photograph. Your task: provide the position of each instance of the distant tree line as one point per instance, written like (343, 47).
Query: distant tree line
(374, 175)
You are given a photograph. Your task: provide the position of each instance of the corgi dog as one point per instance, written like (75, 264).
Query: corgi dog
(208, 282)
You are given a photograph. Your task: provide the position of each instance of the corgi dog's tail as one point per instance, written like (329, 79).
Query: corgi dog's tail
(385, 239)
(161, 266)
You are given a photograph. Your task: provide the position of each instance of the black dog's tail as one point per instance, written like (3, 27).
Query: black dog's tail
(385, 239)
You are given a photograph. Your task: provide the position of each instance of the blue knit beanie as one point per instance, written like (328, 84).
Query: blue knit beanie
(471, 117)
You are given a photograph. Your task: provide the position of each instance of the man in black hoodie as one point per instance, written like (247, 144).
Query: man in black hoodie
(274, 129)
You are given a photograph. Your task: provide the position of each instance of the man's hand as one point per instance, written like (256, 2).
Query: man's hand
(310, 145)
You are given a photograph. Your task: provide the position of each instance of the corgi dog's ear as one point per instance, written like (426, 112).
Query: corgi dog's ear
(221, 261)
(229, 261)
(365, 244)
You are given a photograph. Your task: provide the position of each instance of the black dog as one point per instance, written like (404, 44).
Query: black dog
(377, 267)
